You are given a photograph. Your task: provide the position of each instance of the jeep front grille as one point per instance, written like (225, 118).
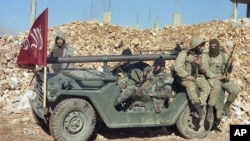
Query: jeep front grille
(39, 91)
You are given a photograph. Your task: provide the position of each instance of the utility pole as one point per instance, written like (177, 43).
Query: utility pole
(248, 10)
(149, 16)
(156, 24)
(107, 13)
(176, 15)
(137, 21)
(235, 9)
(32, 12)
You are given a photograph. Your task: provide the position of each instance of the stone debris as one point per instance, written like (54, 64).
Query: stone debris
(93, 38)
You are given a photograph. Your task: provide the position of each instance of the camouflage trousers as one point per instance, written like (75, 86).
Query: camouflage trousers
(191, 87)
(216, 86)
(136, 93)
(127, 88)
(158, 104)
(142, 94)
(126, 93)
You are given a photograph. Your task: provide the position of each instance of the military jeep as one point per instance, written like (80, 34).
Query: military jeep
(75, 99)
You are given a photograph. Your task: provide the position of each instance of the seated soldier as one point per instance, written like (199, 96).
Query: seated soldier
(132, 72)
(188, 68)
(157, 85)
(214, 64)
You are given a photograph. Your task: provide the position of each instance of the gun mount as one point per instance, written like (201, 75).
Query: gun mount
(109, 58)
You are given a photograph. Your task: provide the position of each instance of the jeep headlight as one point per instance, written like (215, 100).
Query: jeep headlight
(53, 89)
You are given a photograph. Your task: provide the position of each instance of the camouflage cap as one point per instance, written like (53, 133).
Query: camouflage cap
(196, 41)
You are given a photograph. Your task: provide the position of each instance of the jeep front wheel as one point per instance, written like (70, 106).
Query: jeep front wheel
(189, 125)
(72, 120)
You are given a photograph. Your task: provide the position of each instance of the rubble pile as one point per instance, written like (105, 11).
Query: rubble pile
(92, 38)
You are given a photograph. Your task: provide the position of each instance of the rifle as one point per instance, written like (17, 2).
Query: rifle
(194, 67)
(228, 65)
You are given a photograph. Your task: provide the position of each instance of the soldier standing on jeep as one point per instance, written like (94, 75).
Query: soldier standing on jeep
(214, 63)
(60, 49)
(187, 67)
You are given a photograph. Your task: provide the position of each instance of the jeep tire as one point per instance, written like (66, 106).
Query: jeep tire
(189, 125)
(72, 120)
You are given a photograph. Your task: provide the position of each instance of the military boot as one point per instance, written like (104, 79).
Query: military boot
(227, 109)
(198, 109)
(210, 114)
(219, 114)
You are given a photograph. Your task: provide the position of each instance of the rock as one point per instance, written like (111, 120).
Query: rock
(1, 105)
(95, 38)
(13, 82)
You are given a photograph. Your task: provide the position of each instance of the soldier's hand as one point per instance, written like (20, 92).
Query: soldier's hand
(190, 77)
(120, 75)
(197, 61)
(223, 77)
(145, 73)
(196, 100)
(150, 94)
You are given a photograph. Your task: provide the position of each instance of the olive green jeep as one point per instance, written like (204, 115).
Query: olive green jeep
(75, 99)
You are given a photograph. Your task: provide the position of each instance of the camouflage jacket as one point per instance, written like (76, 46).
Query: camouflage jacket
(214, 66)
(183, 64)
(132, 72)
(159, 85)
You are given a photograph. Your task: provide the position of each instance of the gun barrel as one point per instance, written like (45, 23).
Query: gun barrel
(109, 58)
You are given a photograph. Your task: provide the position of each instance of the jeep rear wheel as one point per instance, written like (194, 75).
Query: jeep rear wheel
(189, 125)
(72, 120)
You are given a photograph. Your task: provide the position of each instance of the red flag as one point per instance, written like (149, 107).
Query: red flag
(33, 50)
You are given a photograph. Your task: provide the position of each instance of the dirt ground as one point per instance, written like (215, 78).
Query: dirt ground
(20, 126)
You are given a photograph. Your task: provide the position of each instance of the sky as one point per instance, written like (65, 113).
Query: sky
(15, 14)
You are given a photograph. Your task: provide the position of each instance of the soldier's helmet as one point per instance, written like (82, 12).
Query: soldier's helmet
(196, 41)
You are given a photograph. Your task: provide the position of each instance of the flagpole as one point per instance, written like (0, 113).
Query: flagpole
(32, 12)
(44, 86)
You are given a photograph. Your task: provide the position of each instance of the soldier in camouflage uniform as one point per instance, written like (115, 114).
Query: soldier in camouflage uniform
(131, 76)
(187, 68)
(156, 86)
(214, 63)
